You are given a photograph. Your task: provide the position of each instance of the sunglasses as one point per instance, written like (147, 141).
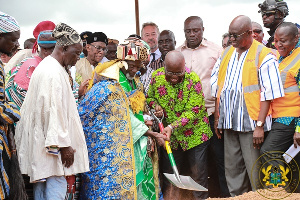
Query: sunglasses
(257, 31)
(268, 14)
(235, 36)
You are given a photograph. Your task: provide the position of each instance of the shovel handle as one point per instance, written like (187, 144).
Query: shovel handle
(168, 148)
(170, 154)
(161, 127)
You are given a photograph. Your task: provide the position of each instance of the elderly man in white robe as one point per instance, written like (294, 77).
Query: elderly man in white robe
(49, 137)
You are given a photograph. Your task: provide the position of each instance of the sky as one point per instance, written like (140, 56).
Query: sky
(116, 18)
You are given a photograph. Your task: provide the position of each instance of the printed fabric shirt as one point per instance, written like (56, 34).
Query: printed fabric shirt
(233, 111)
(184, 108)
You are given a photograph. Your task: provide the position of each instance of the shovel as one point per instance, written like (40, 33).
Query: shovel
(180, 181)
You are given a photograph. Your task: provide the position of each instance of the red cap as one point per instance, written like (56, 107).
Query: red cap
(42, 26)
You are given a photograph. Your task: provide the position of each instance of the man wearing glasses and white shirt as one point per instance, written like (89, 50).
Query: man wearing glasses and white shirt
(96, 50)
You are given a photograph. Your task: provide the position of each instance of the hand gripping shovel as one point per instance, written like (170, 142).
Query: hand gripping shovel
(183, 182)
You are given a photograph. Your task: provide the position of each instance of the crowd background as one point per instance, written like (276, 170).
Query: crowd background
(116, 18)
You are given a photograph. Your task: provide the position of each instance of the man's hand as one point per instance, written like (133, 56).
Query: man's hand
(67, 156)
(83, 87)
(158, 111)
(160, 138)
(167, 132)
(296, 139)
(218, 132)
(258, 137)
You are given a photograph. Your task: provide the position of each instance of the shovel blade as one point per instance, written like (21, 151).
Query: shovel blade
(185, 182)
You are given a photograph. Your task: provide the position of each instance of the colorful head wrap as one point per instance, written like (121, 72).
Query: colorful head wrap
(65, 35)
(42, 26)
(8, 24)
(46, 40)
(133, 49)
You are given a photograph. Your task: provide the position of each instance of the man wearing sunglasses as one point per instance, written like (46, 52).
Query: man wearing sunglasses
(257, 32)
(244, 80)
(273, 13)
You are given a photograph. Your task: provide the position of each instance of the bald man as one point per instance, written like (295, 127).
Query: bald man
(257, 32)
(177, 92)
(243, 94)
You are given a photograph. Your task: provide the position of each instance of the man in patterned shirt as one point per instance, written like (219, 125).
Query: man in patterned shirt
(9, 114)
(177, 92)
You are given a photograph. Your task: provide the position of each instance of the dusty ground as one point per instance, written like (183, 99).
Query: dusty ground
(273, 194)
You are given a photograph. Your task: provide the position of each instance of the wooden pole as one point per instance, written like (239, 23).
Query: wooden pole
(137, 17)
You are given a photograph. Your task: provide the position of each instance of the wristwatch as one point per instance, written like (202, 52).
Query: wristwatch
(259, 124)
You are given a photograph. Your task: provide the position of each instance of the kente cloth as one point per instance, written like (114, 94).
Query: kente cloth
(49, 119)
(17, 84)
(8, 115)
(8, 23)
(65, 35)
(143, 164)
(105, 117)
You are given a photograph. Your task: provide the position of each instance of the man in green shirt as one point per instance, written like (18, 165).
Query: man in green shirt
(176, 92)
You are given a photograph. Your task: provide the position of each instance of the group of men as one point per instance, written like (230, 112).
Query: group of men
(83, 107)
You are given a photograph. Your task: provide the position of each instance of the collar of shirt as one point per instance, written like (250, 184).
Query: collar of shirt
(203, 43)
(157, 54)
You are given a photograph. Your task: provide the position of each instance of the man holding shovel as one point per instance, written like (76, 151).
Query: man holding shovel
(176, 93)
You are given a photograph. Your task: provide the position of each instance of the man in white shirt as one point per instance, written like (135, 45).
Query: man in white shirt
(96, 50)
(150, 33)
(49, 137)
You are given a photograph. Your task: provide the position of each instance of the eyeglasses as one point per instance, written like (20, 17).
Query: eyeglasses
(257, 31)
(99, 48)
(268, 14)
(235, 36)
(174, 74)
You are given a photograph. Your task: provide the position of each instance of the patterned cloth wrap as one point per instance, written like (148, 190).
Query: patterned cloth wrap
(65, 35)
(106, 124)
(9, 114)
(8, 23)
